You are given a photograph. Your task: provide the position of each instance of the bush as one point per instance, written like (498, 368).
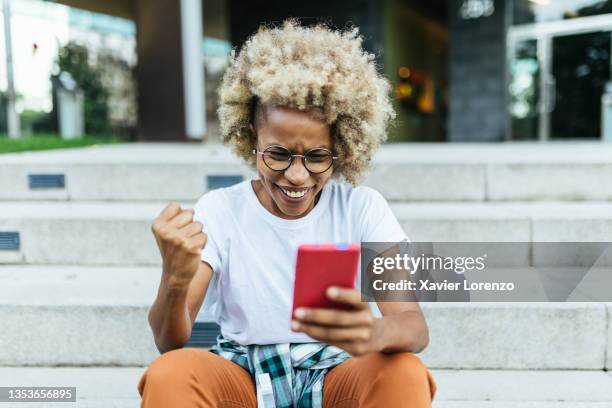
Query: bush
(36, 122)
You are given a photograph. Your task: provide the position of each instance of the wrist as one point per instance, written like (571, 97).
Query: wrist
(377, 341)
(175, 284)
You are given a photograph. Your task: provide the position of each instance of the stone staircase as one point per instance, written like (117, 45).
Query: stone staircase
(79, 267)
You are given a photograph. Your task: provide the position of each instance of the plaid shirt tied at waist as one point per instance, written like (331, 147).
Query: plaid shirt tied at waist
(287, 375)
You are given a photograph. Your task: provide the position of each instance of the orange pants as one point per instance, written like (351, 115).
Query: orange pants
(191, 377)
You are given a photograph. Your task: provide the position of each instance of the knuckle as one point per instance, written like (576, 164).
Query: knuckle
(365, 335)
(368, 319)
(163, 231)
(359, 349)
(194, 250)
(318, 331)
(326, 333)
(322, 333)
(173, 206)
(343, 319)
(177, 240)
(196, 244)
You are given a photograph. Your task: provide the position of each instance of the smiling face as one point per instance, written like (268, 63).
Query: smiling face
(292, 193)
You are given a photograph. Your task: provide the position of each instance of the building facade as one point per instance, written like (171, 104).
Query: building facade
(461, 70)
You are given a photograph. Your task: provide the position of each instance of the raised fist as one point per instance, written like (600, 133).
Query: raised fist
(180, 241)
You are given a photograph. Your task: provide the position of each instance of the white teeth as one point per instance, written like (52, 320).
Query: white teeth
(294, 194)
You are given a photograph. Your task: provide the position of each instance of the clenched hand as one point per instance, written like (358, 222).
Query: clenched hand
(180, 241)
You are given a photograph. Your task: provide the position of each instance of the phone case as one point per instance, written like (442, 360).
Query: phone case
(321, 266)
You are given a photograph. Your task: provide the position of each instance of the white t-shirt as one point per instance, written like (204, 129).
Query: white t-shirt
(253, 253)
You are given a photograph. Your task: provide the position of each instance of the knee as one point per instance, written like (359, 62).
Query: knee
(171, 366)
(404, 365)
(406, 371)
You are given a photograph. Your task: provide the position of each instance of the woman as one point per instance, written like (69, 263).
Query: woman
(305, 107)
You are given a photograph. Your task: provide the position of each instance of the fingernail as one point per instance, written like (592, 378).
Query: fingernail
(295, 325)
(333, 292)
(300, 313)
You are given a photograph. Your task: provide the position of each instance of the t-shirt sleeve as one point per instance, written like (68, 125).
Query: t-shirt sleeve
(376, 223)
(208, 211)
(376, 220)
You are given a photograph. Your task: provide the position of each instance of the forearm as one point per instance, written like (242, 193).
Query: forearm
(405, 331)
(169, 317)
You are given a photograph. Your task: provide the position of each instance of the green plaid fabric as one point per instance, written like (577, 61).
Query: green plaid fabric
(287, 375)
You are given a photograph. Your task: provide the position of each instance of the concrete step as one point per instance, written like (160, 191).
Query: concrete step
(72, 315)
(401, 172)
(522, 389)
(81, 233)
(131, 172)
(518, 335)
(507, 222)
(66, 315)
(96, 387)
(116, 387)
(120, 233)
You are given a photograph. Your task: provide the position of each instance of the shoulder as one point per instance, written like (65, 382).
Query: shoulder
(373, 216)
(367, 195)
(361, 197)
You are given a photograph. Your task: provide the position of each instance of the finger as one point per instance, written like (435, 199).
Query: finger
(182, 219)
(349, 296)
(198, 241)
(328, 334)
(170, 211)
(334, 317)
(191, 229)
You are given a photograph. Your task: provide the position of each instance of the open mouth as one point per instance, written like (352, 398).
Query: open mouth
(294, 194)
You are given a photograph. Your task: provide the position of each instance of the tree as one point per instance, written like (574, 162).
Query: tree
(74, 58)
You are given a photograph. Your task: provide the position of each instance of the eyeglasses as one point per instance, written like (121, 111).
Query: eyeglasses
(279, 158)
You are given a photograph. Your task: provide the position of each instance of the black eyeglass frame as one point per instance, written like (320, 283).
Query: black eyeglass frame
(292, 155)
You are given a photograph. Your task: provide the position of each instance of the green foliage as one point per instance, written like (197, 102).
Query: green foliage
(36, 121)
(74, 58)
(49, 141)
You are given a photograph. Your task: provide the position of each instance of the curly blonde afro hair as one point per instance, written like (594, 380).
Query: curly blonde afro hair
(313, 69)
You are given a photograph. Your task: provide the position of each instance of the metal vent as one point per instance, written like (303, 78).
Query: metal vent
(39, 181)
(220, 181)
(9, 240)
(203, 334)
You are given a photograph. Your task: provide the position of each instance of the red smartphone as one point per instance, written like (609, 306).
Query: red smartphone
(321, 266)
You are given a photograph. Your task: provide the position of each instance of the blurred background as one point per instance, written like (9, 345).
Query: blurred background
(107, 112)
(470, 70)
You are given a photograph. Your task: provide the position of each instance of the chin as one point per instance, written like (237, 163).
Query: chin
(291, 211)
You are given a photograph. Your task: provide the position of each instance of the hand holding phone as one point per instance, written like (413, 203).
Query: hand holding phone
(321, 266)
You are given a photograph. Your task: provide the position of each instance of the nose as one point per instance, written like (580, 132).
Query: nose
(297, 174)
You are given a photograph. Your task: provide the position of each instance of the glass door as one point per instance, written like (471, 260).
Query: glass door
(581, 68)
(556, 75)
(524, 90)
